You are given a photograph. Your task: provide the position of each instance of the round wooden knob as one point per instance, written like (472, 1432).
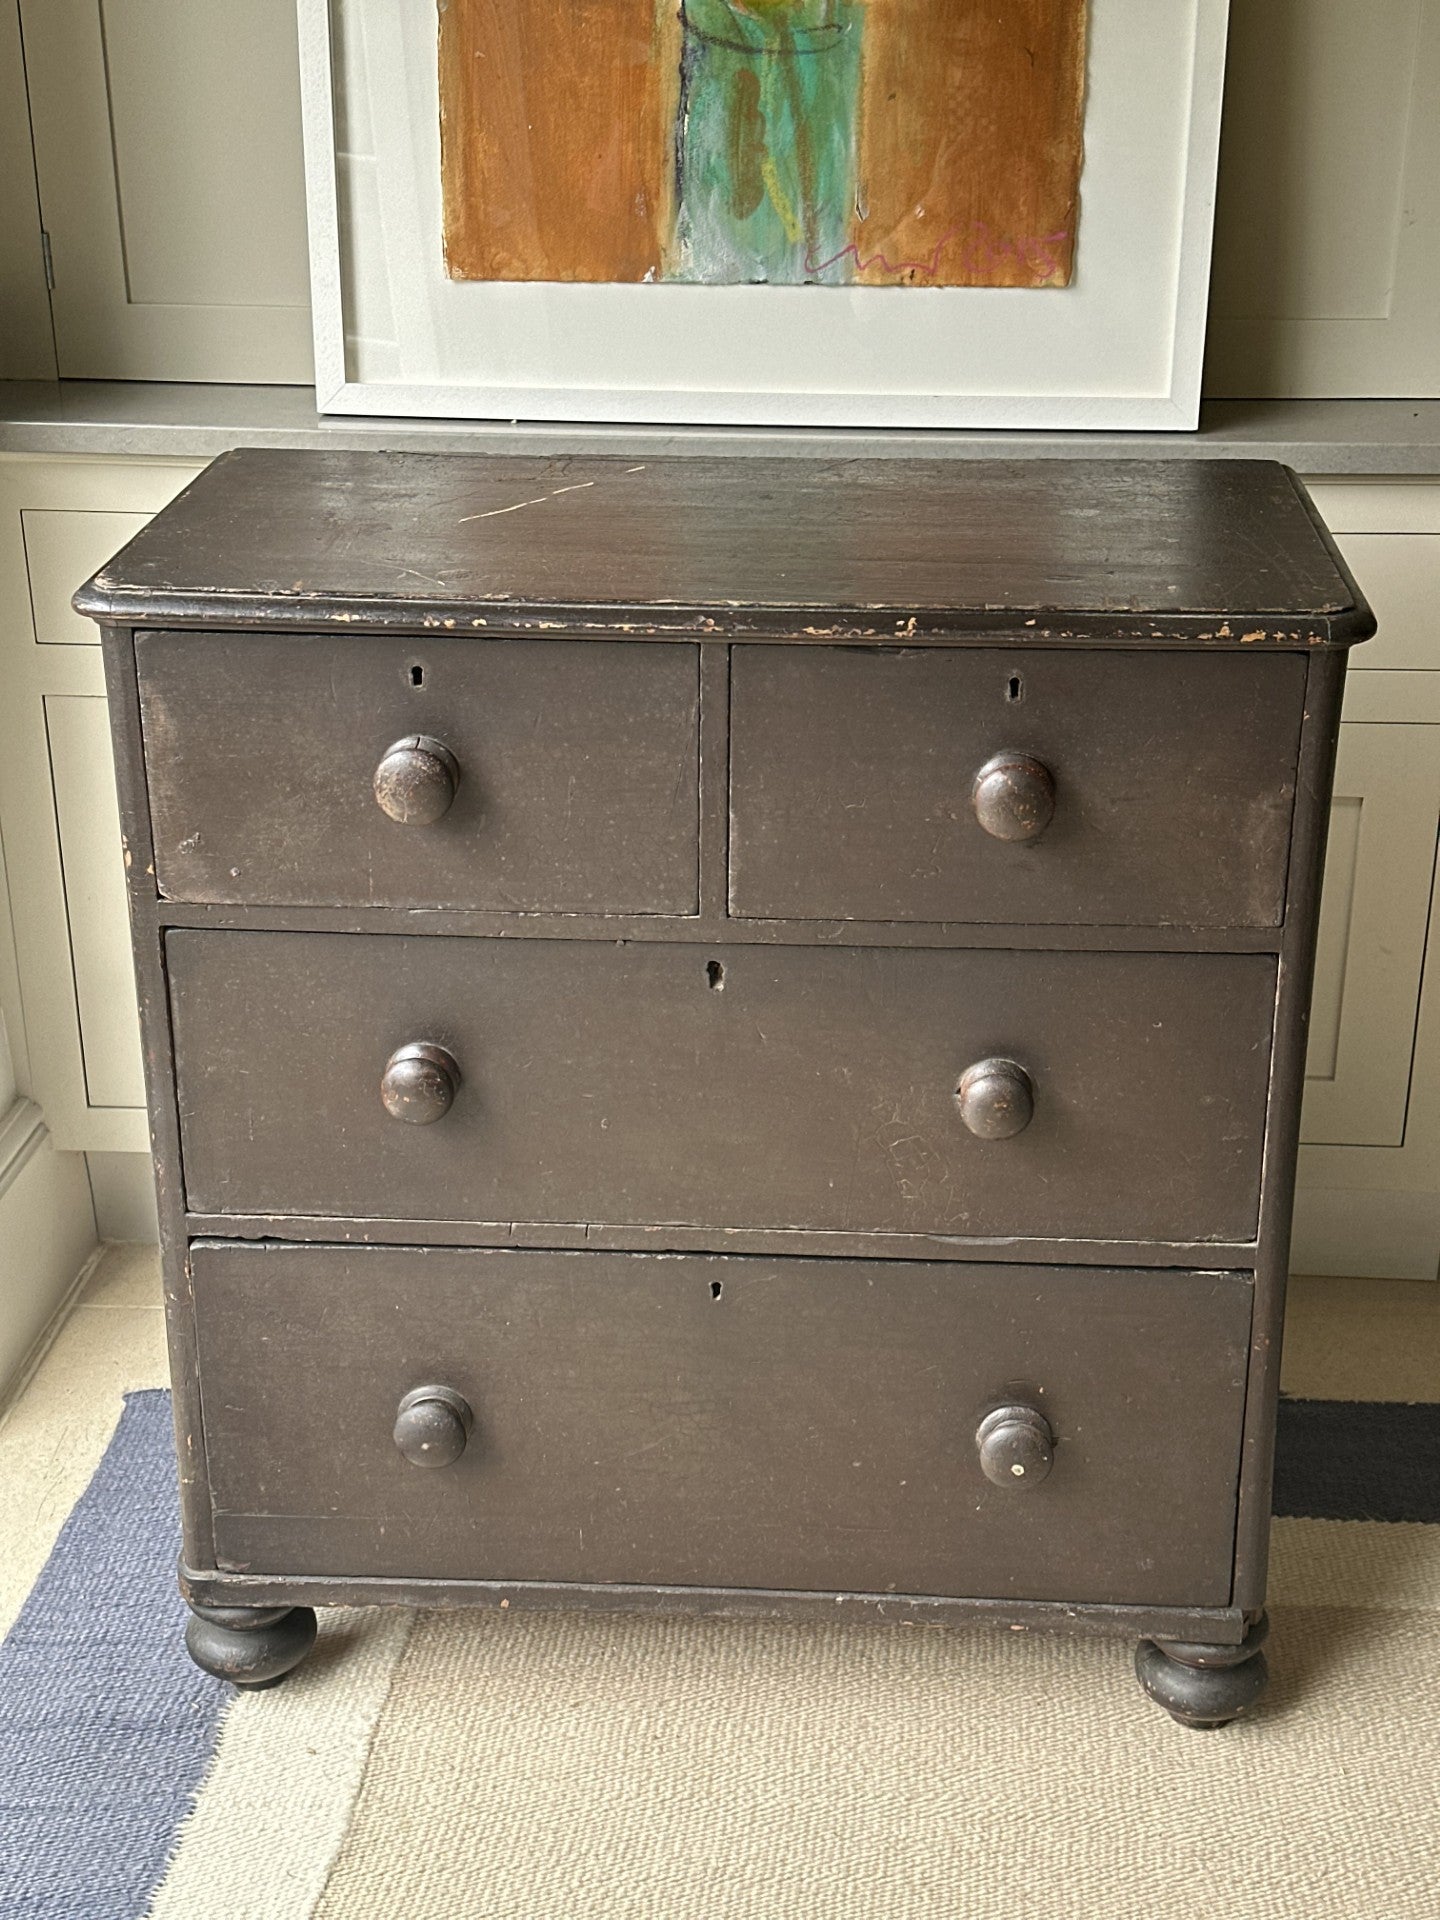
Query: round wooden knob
(419, 1083)
(432, 1426)
(1016, 1446)
(996, 1099)
(415, 781)
(1014, 797)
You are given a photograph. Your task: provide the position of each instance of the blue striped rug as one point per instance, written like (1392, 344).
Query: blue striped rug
(106, 1727)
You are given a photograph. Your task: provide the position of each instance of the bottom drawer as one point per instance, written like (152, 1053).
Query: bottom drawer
(692, 1420)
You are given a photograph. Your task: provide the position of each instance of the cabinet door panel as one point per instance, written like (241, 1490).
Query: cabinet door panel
(1373, 920)
(62, 549)
(167, 143)
(71, 1009)
(1400, 574)
(1327, 231)
(27, 342)
(83, 771)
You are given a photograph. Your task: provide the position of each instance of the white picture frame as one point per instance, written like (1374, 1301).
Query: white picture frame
(1119, 349)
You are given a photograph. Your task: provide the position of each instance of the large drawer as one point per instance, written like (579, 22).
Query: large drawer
(577, 764)
(741, 1086)
(1172, 779)
(723, 1421)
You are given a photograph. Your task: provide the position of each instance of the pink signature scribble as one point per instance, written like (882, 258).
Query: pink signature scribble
(982, 252)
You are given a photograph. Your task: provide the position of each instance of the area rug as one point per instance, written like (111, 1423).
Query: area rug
(524, 1767)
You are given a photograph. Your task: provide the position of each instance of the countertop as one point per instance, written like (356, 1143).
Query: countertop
(1388, 438)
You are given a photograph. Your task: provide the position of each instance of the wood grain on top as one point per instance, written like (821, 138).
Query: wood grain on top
(1209, 552)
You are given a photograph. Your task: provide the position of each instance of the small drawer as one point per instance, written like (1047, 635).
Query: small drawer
(1076, 788)
(549, 776)
(719, 1421)
(764, 1087)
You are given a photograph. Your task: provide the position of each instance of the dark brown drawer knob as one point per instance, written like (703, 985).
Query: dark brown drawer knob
(1016, 1446)
(996, 1099)
(432, 1426)
(416, 780)
(1014, 797)
(419, 1083)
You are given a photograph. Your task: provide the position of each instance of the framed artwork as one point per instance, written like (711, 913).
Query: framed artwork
(966, 213)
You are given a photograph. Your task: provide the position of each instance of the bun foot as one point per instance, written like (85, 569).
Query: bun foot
(1204, 1686)
(252, 1647)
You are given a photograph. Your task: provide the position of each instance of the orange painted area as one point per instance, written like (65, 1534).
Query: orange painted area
(557, 128)
(971, 142)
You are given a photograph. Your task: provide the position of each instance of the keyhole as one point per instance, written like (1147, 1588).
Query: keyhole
(417, 676)
(1015, 690)
(717, 1287)
(715, 975)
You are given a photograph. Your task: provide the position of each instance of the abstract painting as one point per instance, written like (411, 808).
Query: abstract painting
(930, 143)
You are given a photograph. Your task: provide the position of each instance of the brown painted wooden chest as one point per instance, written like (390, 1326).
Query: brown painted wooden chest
(728, 1034)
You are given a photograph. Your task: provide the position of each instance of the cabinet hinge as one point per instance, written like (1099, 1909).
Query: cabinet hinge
(49, 260)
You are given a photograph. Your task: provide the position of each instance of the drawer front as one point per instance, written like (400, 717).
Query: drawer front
(735, 1422)
(758, 1086)
(853, 773)
(577, 764)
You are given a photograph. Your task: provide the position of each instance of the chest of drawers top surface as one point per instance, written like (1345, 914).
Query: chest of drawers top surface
(1225, 553)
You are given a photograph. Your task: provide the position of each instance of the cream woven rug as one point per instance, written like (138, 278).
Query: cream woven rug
(522, 1767)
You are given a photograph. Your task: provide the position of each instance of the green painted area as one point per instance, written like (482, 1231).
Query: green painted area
(767, 141)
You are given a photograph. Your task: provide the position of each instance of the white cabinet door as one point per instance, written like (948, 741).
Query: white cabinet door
(1368, 1199)
(1379, 867)
(1326, 277)
(1400, 576)
(1375, 1210)
(167, 143)
(27, 345)
(1368, 1191)
(87, 814)
(74, 1001)
(58, 541)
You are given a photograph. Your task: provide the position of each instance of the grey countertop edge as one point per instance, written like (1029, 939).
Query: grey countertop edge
(147, 419)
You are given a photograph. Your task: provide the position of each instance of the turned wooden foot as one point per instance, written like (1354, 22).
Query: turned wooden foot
(253, 1647)
(1203, 1686)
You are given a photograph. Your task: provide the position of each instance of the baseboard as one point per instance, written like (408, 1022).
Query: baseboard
(123, 1185)
(48, 1241)
(22, 1134)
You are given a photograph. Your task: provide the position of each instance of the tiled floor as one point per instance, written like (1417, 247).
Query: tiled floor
(1345, 1339)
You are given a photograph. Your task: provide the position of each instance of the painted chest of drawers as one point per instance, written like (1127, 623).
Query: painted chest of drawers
(728, 1034)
